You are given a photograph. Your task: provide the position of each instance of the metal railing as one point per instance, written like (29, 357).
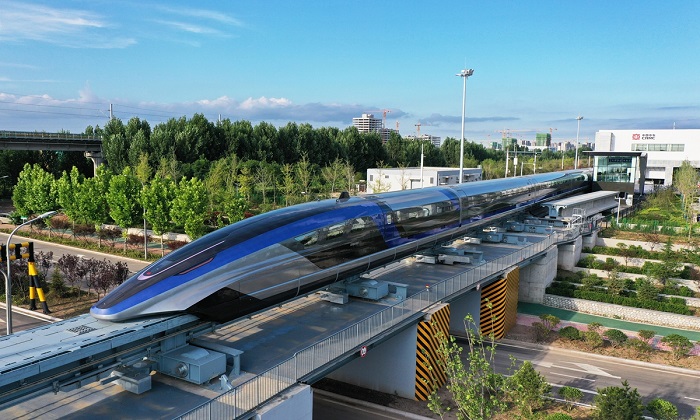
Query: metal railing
(255, 392)
(46, 136)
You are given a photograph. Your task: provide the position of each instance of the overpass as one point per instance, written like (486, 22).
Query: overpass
(263, 365)
(34, 140)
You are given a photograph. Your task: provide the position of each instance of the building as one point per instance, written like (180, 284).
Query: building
(665, 151)
(543, 140)
(368, 123)
(397, 179)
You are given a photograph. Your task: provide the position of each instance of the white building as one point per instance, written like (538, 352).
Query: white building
(396, 179)
(368, 123)
(665, 150)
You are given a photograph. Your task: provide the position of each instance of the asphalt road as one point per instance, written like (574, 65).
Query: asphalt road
(589, 372)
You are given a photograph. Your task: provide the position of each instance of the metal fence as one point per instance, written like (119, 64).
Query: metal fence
(246, 397)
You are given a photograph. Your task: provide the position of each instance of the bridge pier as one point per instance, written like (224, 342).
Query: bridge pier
(535, 278)
(96, 158)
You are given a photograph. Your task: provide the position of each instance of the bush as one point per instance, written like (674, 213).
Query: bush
(540, 332)
(570, 333)
(616, 337)
(570, 395)
(57, 286)
(641, 347)
(593, 339)
(680, 345)
(528, 389)
(615, 402)
(646, 335)
(173, 245)
(662, 409)
(622, 300)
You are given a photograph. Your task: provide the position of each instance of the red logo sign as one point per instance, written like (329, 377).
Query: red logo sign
(363, 351)
(636, 136)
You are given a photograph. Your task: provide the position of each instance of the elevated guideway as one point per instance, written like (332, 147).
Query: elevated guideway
(280, 351)
(91, 146)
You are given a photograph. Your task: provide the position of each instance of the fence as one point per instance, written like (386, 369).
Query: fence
(251, 394)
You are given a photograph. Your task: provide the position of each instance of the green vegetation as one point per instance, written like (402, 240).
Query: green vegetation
(615, 402)
(662, 410)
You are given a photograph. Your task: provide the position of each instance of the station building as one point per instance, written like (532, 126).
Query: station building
(397, 179)
(644, 156)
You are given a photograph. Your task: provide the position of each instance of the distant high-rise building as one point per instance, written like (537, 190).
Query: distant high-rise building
(367, 123)
(543, 140)
(509, 142)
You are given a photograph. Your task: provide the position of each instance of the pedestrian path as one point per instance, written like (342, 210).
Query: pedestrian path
(585, 319)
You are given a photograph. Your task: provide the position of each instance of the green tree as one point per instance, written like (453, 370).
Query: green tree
(34, 191)
(190, 207)
(91, 198)
(528, 389)
(686, 180)
(122, 198)
(476, 388)
(619, 403)
(616, 337)
(646, 290)
(680, 345)
(662, 410)
(66, 188)
(157, 198)
(615, 283)
(571, 395)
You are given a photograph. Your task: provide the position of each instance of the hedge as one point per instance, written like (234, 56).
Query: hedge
(619, 300)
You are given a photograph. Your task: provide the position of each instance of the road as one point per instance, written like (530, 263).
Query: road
(588, 372)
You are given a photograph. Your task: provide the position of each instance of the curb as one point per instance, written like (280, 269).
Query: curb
(30, 313)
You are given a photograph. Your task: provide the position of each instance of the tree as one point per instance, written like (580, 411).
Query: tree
(305, 175)
(333, 174)
(615, 283)
(680, 345)
(686, 180)
(264, 179)
(662, 410)
(616, 337)
(571, 395)
(528, 389)
(157, 198)
(122, 198)
(646, 290)
(91, 198)
(34, 191)
(190, 207)
(476, 388)
(621, 403)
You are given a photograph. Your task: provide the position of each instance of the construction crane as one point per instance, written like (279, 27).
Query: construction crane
(418, 128)
(384, 112)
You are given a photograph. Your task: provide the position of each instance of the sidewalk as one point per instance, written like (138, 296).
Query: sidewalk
(530, 312)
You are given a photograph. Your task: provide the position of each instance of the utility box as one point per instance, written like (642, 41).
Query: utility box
(369, 289)
(193, 364)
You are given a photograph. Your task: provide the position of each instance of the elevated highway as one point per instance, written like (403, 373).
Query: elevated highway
(33, 140)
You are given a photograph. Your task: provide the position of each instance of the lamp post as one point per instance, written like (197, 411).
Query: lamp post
(578, 127)
(8, 277)
(464, 74)
(145, 237)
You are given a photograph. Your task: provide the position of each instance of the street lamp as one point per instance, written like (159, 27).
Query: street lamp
(578, 127)
(464, 74)
(8, 277)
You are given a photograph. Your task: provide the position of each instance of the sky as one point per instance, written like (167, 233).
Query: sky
(537, 64)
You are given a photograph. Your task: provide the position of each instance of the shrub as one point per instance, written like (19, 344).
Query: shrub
(615, 402)
(173, 245)
(570, 395)
(57, 286)
(662, 409)
(680, 345)
(616, 337)
(646, 335)
(646, 290)
(593, 339)
(641, 347)
(528, 389)
(540, 332)
(550, 321)
(570, 333)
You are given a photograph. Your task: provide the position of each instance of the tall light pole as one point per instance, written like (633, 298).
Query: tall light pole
(464, 74)
(578, 128)
(8, 277)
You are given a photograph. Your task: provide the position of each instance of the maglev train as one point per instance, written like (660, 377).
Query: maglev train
(276, 256)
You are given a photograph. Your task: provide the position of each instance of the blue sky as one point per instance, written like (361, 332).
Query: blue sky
(537, 64)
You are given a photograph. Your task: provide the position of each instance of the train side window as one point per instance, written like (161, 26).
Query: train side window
(335, 231)
(308, 239)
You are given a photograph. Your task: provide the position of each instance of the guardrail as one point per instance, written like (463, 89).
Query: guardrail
(47, 136)
(253, 393)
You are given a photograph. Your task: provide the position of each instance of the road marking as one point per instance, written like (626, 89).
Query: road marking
(584, 368)
(587, 391)
(570, 376)
(694, 399)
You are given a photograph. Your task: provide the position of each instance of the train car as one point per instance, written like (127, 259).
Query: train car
(275, 256)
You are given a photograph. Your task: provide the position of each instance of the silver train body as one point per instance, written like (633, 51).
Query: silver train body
(275, 256)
